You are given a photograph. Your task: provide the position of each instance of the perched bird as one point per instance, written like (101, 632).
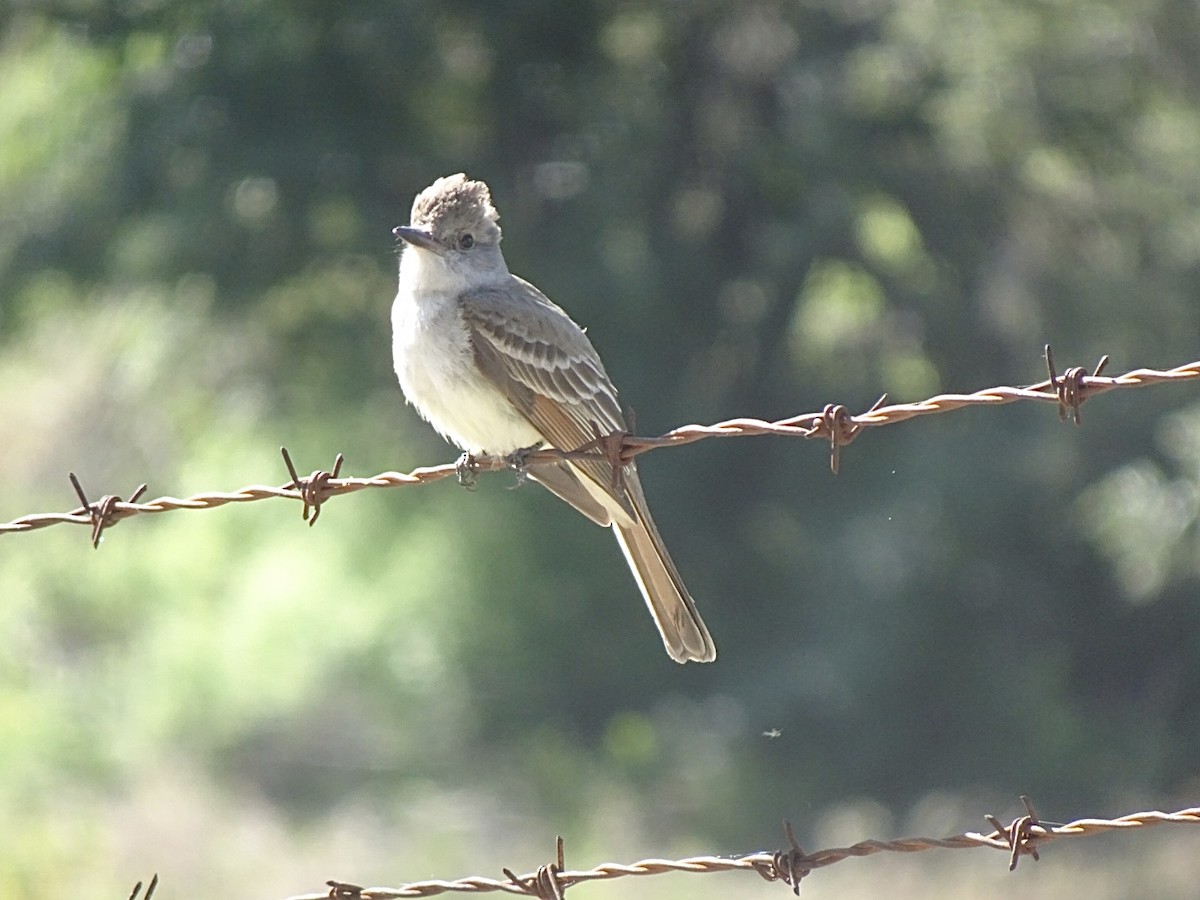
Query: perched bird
(496, 367)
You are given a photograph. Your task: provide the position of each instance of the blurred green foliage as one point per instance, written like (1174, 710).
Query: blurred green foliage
(757, 208)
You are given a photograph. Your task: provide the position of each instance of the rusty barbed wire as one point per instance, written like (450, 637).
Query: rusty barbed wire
(1024, 836)
(834, 424)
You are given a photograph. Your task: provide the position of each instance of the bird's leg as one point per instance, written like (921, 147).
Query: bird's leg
(518, 461)
(465, 469)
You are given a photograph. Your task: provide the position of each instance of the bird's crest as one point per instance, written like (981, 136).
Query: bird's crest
(455, 203)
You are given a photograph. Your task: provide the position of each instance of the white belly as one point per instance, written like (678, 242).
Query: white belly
(439, 377)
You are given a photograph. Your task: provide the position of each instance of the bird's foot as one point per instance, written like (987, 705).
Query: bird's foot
(466, 470)
(518, 461)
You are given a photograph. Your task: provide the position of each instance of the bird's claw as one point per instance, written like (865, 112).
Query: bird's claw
(518, 461)
(465, 469)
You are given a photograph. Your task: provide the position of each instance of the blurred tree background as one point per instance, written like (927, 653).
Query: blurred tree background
(756, 208)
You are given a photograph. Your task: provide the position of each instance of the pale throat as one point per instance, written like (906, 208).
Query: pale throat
(423, 272)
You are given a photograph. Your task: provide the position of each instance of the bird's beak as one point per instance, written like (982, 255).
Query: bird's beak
(417, 237)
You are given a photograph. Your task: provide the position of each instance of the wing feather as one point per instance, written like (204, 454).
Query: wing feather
(547, 368)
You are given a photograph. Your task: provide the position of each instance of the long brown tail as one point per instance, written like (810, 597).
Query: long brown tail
(683, 631)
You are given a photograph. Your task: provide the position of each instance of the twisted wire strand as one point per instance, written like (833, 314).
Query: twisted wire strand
(1032, 835)
(834, 424)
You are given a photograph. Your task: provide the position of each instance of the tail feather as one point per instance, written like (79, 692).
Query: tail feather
(683, 631)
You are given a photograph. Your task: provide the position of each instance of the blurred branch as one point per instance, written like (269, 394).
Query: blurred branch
(1023, 836)
(834, 424)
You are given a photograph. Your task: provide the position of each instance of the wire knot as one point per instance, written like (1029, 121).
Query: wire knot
(104, 513)
(617, 448)
(617, 452)
(547, 883)
(837, 425)
(314, 490)
(344, 890)
(788, 866)
(1072, 387)
(1020, 835)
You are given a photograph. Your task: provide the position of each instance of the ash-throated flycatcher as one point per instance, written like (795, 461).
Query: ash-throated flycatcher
(495, 367)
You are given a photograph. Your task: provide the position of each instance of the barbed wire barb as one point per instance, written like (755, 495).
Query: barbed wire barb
(1072, 387)
(103, 513)
(314, 489)
(1020, 835)
(547, 883)
(833, 424)
(137, 889)
(837, 426)
(788, 865)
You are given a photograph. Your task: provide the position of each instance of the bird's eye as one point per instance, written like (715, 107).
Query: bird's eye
(466, 242)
